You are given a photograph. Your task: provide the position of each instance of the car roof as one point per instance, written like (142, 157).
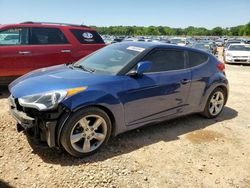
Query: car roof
(179, 38)
(238, 44)
(152, 45)
(46, 24)
(147, 45)
(231, 41)
(205, 43)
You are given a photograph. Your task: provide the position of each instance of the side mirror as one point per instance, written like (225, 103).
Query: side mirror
(141, 67)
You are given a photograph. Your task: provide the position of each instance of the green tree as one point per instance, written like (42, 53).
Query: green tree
(217, 31)
(247, 29)
(240, 30)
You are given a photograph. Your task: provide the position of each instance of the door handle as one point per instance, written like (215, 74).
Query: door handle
(24, 52)
(65, 51)
(185, 81)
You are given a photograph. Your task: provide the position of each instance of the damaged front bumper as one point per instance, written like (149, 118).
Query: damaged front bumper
(41, 125)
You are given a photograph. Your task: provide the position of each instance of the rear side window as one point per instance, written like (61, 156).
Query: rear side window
(166, 60)
(196, 58)
(14, 36)
(87, 37)
(43, 36)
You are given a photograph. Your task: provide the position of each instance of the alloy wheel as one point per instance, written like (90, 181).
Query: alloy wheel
(88, 133)
(216, 103)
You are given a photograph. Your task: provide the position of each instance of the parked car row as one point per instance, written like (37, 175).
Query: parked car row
(32, 45)
(207, 44)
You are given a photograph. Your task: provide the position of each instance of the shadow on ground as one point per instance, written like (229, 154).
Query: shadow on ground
(133, 140)
(4, 184)
(238, 64)
(4, 92)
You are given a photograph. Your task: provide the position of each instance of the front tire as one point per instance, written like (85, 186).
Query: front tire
(85, 132)
(215, 103)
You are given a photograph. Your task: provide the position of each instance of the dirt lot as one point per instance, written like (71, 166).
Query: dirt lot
(186, 152)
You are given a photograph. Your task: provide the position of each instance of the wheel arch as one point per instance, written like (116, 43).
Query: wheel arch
(209, 90)
(225, 90)
(206, 112)
(64, 117)
(107, 111)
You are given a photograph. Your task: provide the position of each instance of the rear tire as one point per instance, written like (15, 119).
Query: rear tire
(215, 103)
(85, 132)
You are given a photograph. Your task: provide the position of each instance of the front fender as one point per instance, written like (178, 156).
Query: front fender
(102, 99)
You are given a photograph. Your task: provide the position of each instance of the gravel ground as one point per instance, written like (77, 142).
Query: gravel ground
(185, 152)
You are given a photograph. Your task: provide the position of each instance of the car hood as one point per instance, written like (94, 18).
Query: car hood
(54, 78)
(239, 53)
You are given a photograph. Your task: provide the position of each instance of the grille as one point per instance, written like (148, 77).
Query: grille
(240, 56)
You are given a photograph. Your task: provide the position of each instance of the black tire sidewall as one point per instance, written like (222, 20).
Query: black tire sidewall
(73, 119)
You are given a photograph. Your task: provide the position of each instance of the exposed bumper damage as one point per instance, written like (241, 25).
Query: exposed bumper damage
(41, 125)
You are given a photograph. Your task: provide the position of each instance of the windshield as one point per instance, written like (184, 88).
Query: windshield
(109, 60)
(228, 43)
(239, 48)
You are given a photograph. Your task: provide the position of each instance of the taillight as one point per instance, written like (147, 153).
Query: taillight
(221, 67)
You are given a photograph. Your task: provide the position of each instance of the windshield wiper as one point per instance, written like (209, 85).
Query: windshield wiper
(84, 68)
(69, 63)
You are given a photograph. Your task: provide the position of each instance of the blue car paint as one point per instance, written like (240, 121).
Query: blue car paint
(133, 102)
(143, 67)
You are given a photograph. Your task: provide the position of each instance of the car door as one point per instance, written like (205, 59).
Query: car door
(160, 92)
(48, 47)
(13, 46)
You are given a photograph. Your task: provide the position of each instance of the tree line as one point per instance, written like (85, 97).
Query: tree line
(240, 30)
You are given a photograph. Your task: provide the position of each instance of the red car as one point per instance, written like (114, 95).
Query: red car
(31, 45)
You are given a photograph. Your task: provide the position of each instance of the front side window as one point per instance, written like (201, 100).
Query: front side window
(43, 36)
(166, 60)
(14, 36)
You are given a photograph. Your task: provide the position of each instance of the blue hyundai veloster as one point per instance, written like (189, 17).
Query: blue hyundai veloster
(121, 87)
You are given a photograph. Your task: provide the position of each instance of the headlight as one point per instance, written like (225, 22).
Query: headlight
(229, 55)
(48, 100)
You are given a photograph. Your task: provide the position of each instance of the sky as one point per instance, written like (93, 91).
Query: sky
(172, 13)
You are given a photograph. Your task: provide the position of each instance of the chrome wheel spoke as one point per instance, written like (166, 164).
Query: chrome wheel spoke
(99, 136)
(97, 123)
(86, 146)
(217, 97)
(76, 137)
(212, 108)
(84, 123)
(220, 102)
(212, 100)
(216, 109)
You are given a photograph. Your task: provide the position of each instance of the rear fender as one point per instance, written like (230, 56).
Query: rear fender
(217, 80)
